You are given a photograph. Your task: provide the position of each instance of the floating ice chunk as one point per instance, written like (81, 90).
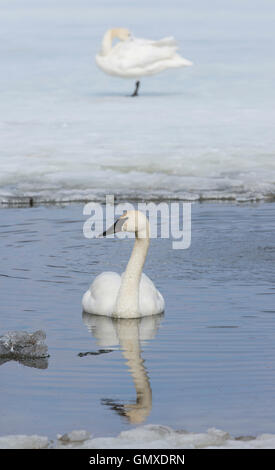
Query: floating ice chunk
(22, 441)
(20, 344)
(147, 432)
(213, 437)
(74, 436)
(163, 437)
(143, 437)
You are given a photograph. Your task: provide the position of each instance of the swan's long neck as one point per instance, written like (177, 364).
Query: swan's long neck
(127, 304)
(108, 37)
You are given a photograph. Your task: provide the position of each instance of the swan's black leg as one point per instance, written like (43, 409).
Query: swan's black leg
(136, 90)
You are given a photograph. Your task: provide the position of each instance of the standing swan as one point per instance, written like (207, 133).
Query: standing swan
(134, 57)
(133, 294)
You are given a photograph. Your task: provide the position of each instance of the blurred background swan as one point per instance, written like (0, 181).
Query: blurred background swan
(129, 334)
(134, 57)
(133, 294)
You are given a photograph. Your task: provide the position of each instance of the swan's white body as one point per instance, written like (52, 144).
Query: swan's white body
(102, 296)
(133, 294)
(133, 57)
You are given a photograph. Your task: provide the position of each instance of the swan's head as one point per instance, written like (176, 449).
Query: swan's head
(121, 33)
(131, 221)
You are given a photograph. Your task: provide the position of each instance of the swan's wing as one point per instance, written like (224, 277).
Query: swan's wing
(101, 297)
(137, 57)
(164, 42)
(150, 299)
(140, 53)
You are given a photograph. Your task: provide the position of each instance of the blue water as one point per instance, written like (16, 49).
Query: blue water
(208, 362)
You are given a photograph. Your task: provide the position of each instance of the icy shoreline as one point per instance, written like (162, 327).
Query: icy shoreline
(82, 197)
(144, 437)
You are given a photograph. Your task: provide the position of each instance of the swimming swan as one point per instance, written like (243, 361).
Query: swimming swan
(134, 57)
(133, 294)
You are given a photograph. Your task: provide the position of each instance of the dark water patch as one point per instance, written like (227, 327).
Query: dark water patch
(28, 241)
(13, 277)
(223, 326)
(55, 266)
(95, 353)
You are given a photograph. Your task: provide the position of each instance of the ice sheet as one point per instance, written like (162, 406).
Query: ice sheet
(144, 437)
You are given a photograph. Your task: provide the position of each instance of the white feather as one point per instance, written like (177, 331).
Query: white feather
(136, 57)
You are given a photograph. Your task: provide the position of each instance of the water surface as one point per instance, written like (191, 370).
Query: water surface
(209, 361)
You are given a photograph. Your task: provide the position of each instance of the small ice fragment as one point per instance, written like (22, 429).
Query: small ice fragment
(23, 344)
(74, 436)
(22, 441)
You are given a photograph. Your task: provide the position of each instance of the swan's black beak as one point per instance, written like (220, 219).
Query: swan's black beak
(117, 227)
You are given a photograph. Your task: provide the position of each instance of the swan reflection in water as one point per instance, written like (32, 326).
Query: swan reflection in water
(129, 333)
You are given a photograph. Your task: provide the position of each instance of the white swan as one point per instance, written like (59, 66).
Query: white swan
(134, 57)
(133, 294)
